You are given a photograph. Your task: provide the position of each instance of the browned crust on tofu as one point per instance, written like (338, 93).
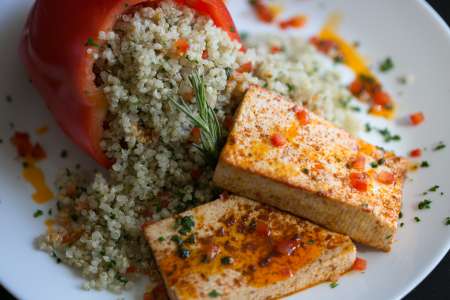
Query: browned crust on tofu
(233, 226)
(309, 175)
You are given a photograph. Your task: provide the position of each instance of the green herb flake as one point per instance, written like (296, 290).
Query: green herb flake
(434, 188)
(374, 164)
(191, 239)
(183, 252)
(388, 237)
(400, 215)
(291, 87)
(425, 164)
(417, 219)
(176, 239)
(386, 65)
(161, 239)
(333, 285)
(439, 146)
(213, 294)
(91, 43)
(305, 171)
(368, 127)
(447, 221)
(402, 224)
(425, 204)
(186, 223)
(38, 213)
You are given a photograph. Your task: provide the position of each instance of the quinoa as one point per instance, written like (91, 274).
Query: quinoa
(157, 170)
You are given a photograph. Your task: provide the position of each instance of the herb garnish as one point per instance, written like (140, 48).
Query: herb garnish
(386, 65)
(402, 224)
(439, 146)
(425, 204)
(333, 285)
(211, 130)
(447, 221)
(388, 136)
(226, 260)
(213, 294)
(38, 213)
(161, 239)
(186, 223)
(90, 42)
(417, 219)
(424, 164)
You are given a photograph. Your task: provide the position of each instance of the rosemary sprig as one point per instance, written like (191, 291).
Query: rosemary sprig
(210, 129)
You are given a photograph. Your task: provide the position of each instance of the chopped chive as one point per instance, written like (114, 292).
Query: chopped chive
(439, 146)
(386, 65)
(38, 213)
(425, 204)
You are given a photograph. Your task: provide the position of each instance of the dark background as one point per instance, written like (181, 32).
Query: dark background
(437, 285)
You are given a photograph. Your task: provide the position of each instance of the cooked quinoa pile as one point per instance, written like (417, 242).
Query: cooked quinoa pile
(146, 61)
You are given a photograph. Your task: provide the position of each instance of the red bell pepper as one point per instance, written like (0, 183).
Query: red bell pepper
(53, 49)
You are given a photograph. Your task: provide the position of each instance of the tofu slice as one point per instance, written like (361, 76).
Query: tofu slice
(292, 159)
(235, 248)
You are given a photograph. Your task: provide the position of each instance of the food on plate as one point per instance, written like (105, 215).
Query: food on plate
(140, 64)
(236, 248)
(286, 156)
(55, 49)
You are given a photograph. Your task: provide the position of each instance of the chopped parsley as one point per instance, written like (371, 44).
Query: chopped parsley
(38, 213)
(388, 136)
(417, 219)
(388, 237)
(213, 294)
(228, 71)
(90, 42)
(434, 188)
(191, 239)
(439, 146)
(400, 215)
(368, 127)
(305, 171)
(333, 285)
(374, 164)
(176, 239)
(185, 224)
(386, 65)
(161, 239)
(425, 164)
(447, 221)
(291, 87)
(425, 204)
(121, 279)
(402, 224)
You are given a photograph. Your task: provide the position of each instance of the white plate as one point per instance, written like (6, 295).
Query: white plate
(408, 31)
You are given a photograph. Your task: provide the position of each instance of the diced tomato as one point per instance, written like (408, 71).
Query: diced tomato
(263, 12)
(21, 140)
(359, 163)
(415, 152)
(196, 173)
(196, 135)
(382, 98)
(302, 116)
(359, 181)
(205, 54)
(285, 247)
(278, 140)
(360, 264)
(245, 68)
(262, 229)
(181, 46)
(385, 177)
(38, 153)
(356, 87)
(417, 118)
(275, 49)
(294, 22)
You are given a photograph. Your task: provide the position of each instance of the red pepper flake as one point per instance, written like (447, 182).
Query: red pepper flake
(131, 269)
(205, 54)
(360, 264)
(359, 163)
(262, 229)
(196, 135)
(417, 118)
(359, 181)
(302, 116)
(415, 152)
(181, 46)
(263, 12)
(294, 22)
(385, 177)
(245, 68)
(21, 140)
(278, 140)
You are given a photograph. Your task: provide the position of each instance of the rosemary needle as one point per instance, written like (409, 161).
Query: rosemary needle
(206, 119)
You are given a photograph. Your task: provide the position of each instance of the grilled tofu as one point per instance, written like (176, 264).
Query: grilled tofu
(288, 157)
(235, 248)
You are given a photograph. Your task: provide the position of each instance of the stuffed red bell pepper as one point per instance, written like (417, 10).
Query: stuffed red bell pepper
(54, 50)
